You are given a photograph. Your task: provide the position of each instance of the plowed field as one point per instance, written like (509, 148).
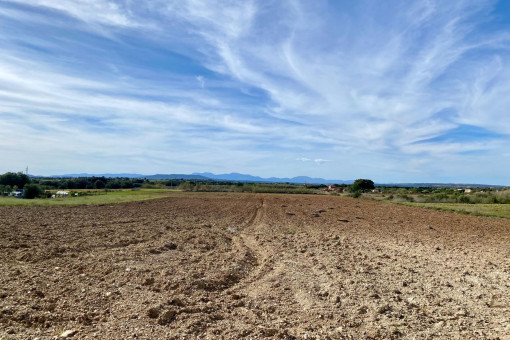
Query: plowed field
(234, 266)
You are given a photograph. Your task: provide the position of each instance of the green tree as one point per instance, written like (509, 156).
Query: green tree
(14, 179)
(113, 185)
(99, 184)
(31, 191)
(362, 185)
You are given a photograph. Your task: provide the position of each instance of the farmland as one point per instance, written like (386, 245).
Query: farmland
(91, 197)
(233, 265)
(496, 210)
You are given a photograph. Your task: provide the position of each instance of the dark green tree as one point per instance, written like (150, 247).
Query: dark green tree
(362, 185)
(99, 184)
(14, 179)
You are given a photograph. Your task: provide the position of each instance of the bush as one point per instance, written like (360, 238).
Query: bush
(31, 191)
(464, 199)
(405, 197)
(356, 194)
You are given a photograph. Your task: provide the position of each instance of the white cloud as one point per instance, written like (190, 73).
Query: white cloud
(339, 82)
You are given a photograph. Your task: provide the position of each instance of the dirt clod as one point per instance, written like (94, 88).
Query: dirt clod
(166, 317)
(153, 312)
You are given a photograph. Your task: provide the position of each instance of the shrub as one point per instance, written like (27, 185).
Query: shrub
(464, 199)
(31, 191)
(406, 198)
(356, 194)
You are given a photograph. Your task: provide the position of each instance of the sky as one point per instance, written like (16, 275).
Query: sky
(394, 91)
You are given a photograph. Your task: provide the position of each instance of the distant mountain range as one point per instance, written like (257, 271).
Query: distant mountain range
(234, 176)
(127, 175)
(237, 177)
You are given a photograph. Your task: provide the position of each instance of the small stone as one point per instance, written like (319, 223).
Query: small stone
(68, 333)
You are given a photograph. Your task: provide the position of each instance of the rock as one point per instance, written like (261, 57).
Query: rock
(68, 333)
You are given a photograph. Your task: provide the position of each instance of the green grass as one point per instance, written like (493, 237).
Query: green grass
(496, 210)
(102, 197)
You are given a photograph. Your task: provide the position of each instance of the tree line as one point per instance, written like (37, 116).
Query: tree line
(35, 186)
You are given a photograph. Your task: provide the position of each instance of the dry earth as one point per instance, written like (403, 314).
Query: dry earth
(233, 266)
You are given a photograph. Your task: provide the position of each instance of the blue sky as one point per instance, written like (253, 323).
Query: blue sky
(395, 91)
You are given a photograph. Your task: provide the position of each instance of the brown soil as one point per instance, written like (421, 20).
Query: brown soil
(234, 266)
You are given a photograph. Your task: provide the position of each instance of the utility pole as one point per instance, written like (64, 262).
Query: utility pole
(27, 171)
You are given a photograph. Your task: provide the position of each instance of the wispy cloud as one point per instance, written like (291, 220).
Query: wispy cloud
(109, 13)
(201, 81)
(176, 86)
(321, 161)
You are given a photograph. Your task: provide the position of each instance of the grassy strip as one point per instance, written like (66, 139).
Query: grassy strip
(101, 197)
(494, 210)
